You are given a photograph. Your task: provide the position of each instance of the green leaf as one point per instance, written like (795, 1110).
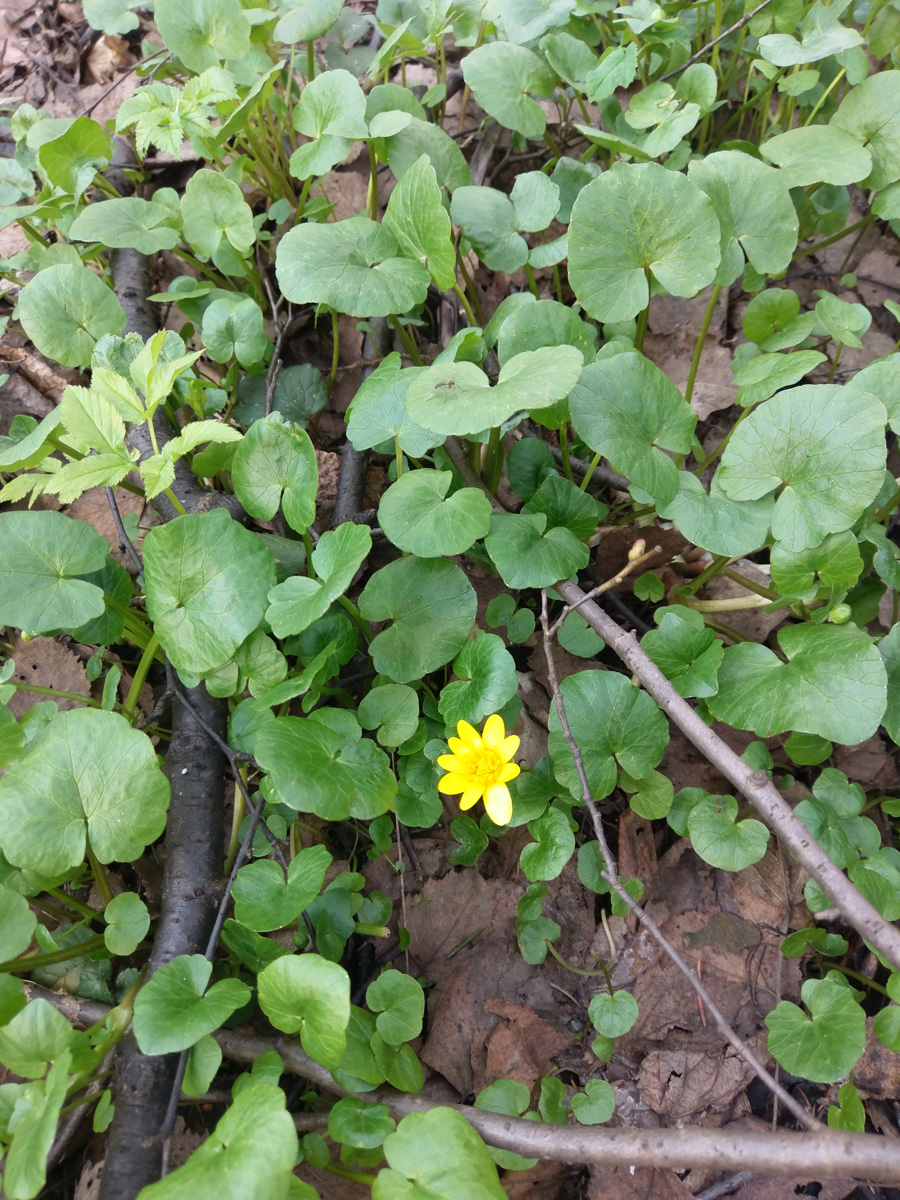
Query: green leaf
(626, 408)
(456, 398)
(300, 600)
(418, 220)
(886, 1026)
(17, 921)
(65, 309)
(393, 710)
(128, 222)
(218, 221)
(421, 137)
(889, 649)
(685, 650)
(552, 848)
(307, 21)
(205, 33)
(251, 1153)
(544, 323)
(233, 328)
(111, 16)
(43, 553)
(849, 1113)
(612, 722)
(431, 605)
(528, 554)
(832, 815)
(490, 222)
(378, 411)
(399, 1001)
(721, 840)
(523, 21)
(807, 749)
(825, 1044)
(173, 1009)
(617, 68)
(86, 776)
(472, 841)
(355, 1123)
(878, 379)
(354, 266)
(70, 152)
(127, 922)
(528, 463)
(299, 394)
(418, 516)
(533, 930)
(204, 1060)
(836, 562)
(332, 110)
(714, 522)
(439, 1155)
(571, 59)
(755, 212)
(275, 465)
(501, 77)
(613, 1014)
(818, 154)
(825, 446)
(12, 742)
(207, 580)
(766, 374)
(821, 35)
(596, 1104)
(576, 636)
(318, 768)
(38, 1035)
(486, 680)
(506, 1096)
(37, 1113)
(264, 900)
(833, 684)
(870, 112)
(309, 995)
(636, 223)
(399, 1065)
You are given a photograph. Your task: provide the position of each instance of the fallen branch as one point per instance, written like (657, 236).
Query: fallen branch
(832, 1155)
(754, 785)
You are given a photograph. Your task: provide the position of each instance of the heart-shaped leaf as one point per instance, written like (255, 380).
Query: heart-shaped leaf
(174, 1009)
(528, 554)
(300, 599)
(309, 995)
(504, 78)
(274, 465)
(823, 1043)
(486, 680)
(418, 516)
(65, 309)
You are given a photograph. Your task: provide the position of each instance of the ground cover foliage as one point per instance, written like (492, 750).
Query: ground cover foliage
(575, 291)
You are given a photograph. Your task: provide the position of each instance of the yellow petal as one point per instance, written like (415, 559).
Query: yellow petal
(457, 746)
(493, 731)
(452, 785)
(498, 804)
(510, 771)
(469, 797)
(508, 747)
(468, 735)
(449, 763)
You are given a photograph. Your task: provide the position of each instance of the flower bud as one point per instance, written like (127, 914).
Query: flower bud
(637, 550)
(840, 614)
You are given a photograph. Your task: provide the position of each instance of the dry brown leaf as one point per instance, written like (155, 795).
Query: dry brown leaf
(45, 662)
(522, 1047)
(680, 1083)
(877, 1073)
(635, 1183)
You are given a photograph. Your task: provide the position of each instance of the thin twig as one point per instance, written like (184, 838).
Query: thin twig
(606, 586)
(124, 540)
(745, 19)
(754, 785)
(612, 878)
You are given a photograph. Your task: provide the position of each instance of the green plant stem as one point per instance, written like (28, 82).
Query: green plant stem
(493, 461)
(140, 676)
(310, 62)
(357, 618)
(372, 189)
(15, 965)
(594, 463)
(718, 564)
(175, 502)
(467, 308)
(56, 694)
(641, 330)
(532, 282)
(99, 875)
(308, 546)
(725, 604)
(851, 974)
(837, 79)
(345, 1173)
(835, 237)
(90, 914)
(721, 446)
(888, 507)
(701, 341)
(398, 456)
(568, 966)
(749, 584)
(564, 450)
(834, 362)
(750, 103)
(237, 817)
(335, 350)
(408, 341)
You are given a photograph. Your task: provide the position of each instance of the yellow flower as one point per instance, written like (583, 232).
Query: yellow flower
(479, 767)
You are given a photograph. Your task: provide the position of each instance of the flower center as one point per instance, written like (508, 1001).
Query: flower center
(486, 764)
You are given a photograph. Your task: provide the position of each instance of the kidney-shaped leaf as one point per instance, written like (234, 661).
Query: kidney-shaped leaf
(309, 995)
(87, 776)
(612, 722)
(714, 522)
(418, 220)
(354, 266)
(528, 554)
(721, 840)
(43, 553)
(265, 900)
(502, 76)
(431, 605)
(824, 1045)
(486, 680)
(417, 515)
(378, 411)
(818, 154)
(626, 408)
(634, 222)
(871, 113)
(127, 222)
(174, 1009)
(276, 464)
(437, 1154)
(207, 580)
(65, 309)
(300, 600)
(834, 684)
(825, 444)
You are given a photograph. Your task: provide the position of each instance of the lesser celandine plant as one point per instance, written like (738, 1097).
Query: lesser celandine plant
(642, 150)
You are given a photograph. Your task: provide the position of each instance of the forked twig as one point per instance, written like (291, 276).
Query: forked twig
(610, 875)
